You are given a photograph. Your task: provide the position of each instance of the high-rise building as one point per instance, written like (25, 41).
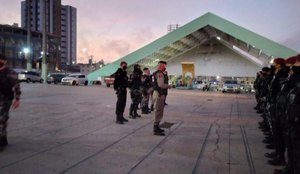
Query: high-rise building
(60, 20)
(53, 15)
(68, 35)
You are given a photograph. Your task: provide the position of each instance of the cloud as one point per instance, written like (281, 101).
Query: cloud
(108, 47)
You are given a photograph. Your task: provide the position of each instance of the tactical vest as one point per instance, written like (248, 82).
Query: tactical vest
(293, 106)
(160, 91)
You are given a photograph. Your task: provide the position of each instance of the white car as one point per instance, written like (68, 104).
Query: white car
(231, 86)
(75, 79)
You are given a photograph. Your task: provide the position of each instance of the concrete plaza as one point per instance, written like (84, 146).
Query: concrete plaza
(72, 129)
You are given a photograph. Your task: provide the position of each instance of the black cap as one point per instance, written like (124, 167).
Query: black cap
(163, 62)
(123, 62)
(2, 57)
(266, 69)
(145, 69)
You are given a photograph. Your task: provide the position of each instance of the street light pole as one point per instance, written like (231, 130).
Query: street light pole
(28, 54)
(44, 63)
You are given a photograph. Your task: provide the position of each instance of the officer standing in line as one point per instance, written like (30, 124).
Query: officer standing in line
(146, 85)
(9, 96)
(293, 117)
(281, 110)
(160, 88)
(135, 91)
(120, 85)
(275, 87)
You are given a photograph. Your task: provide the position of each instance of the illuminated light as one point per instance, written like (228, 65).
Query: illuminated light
(218, 38)
(218, 77)
(271, 61)
(252, 58)
(26, 50)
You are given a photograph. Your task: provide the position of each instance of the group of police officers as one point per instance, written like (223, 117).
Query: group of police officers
(278, 102)
(142, 85)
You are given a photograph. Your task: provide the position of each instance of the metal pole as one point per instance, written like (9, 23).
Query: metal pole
(44, 62)
(28, 54)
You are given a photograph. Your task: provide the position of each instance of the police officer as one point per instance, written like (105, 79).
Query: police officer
(9, 95)
(146, 85)
(135, 91)
(293, 118)
(159, 93)
(281, 103)
(120, 85)
(275, 87)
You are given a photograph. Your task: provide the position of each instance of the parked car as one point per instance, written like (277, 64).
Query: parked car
(231, 86)
(75, 79)
(55, 77)
(30, 76)
(246, 88)
(109, 80)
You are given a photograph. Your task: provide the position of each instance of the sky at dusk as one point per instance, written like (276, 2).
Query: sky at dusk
(110, 29)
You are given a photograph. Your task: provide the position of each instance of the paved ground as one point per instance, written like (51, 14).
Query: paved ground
(71, 129)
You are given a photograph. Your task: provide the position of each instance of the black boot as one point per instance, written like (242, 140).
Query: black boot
(3, 142)
(123, 119)
(158, 131)
(131, 115)
(152, 107)
(119, 120)
(278, 161)
(137, 115)
(145, 110)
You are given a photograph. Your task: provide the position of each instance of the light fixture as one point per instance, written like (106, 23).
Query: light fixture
(219, 38)
(26, 50)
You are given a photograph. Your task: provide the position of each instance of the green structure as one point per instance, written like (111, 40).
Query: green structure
(199, 31)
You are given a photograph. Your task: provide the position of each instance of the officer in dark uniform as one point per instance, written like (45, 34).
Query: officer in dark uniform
(293, 124)
(281, 104)
(9, 95)
(135, 91)
(146, 85)
(120, 85)
(159, 97)
(275, 87)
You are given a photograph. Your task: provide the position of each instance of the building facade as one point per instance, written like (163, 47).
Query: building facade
(53, 15)
(68, 35)
(60, 20)
(13, 40)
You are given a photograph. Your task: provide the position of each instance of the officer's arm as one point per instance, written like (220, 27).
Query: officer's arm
(160, 81)
(16, 85)
(17, 90)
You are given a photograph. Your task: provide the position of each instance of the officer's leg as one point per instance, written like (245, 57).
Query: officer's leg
(158, 113)
(131, 115)
(152, 99)
(297, 155)
(136, 102)
(4, 112)
(119, 107)
(123, 104)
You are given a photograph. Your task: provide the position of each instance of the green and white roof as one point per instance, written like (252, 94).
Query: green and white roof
(250, 45)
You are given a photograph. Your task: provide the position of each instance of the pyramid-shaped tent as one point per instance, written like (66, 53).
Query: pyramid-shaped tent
(195, 33)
